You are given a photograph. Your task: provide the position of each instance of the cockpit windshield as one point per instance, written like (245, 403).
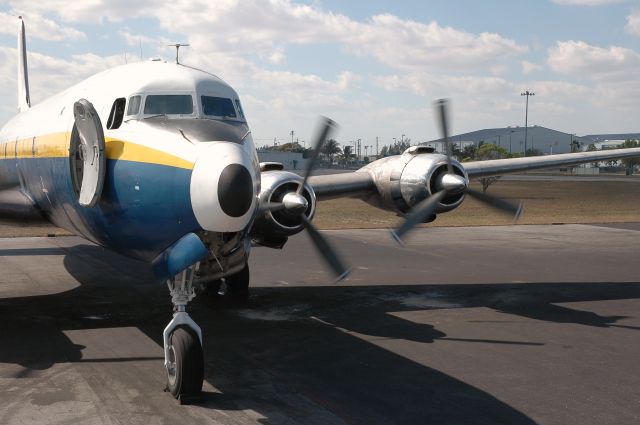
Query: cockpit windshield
(169, 104)
(218, 107)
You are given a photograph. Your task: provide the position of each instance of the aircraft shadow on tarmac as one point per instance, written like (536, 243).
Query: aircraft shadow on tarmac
(293, 342)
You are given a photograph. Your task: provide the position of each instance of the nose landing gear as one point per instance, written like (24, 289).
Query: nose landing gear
(183, 358)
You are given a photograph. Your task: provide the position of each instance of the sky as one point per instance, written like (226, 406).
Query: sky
(373, 66)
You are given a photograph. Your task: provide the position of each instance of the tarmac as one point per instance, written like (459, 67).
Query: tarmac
(477, 325)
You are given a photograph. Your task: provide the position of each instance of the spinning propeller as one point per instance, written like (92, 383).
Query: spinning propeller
(294, 203)
(450, 183)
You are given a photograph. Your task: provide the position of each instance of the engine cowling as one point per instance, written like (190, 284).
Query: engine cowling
(272, 228)
(405, 180)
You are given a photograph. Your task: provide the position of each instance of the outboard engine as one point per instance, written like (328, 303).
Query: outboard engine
(406, 180)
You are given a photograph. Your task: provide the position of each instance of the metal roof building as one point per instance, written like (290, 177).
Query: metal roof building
(615, 137)
(545, 140)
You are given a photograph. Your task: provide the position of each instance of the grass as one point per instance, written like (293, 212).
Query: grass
(546, 202)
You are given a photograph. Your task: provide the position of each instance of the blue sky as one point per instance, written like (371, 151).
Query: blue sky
(374, 66)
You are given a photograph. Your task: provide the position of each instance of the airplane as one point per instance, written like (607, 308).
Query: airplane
(155, 160)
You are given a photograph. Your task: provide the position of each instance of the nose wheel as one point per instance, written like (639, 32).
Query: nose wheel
(185, 365)
(183, 357)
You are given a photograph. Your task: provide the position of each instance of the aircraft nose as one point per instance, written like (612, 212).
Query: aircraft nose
(235, 190)
(224, 187)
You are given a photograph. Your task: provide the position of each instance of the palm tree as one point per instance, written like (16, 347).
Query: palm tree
(331, 148)
(346, 154)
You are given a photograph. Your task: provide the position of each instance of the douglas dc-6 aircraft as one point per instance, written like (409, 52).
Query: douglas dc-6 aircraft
(155, 160)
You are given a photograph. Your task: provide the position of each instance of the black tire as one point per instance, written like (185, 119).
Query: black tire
(238, 286)
(186, 370)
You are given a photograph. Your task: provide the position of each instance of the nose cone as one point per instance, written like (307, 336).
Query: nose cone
(235, 190)
(453, 183)
(224, 187)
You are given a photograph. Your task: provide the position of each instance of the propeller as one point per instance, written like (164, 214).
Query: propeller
(450, 183)
(294, 203)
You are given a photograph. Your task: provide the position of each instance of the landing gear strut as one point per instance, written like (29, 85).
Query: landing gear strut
(236, 288)
(183, 359)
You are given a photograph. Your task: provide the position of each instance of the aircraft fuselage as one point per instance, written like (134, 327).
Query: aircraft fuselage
(167, 174)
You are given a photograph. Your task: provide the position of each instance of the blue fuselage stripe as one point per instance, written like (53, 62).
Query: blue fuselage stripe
(143, 209)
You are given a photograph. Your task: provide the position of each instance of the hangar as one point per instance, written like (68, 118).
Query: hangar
(543, 139)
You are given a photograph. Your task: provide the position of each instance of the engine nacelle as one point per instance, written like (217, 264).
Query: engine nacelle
(405, 180)
(272, 228)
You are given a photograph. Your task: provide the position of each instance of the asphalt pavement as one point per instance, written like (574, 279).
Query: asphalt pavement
(484, 325)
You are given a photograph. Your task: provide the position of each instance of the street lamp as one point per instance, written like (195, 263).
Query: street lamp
(527, 93)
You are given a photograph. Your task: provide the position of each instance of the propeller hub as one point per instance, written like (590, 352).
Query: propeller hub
(295, 203)
(452, 183)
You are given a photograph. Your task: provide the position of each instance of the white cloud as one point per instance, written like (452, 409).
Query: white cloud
(633, 23)
(530, 67)
(49, 75)
(250, 43)
(586, 2)
(223, 26)
(38, 26)
(436, 86)
(87, 11)
(135, 39)
(277, 57)
(580, 58)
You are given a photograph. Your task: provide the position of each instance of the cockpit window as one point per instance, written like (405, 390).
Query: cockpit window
(218, 106)
(134, 105)
(240, 108)
(177, 104)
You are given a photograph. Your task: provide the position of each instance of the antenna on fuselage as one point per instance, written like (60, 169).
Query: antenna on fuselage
(177, 46)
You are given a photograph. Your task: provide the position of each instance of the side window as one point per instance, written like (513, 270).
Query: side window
(240, 109)
(134, 105)
(117, 114)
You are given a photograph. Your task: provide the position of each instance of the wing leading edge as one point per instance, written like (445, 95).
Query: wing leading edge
(498, 167)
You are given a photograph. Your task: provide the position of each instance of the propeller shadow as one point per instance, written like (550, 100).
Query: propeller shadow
(295, 353)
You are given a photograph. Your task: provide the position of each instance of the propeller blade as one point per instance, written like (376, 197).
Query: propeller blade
(326, 126)
(418, 214)
(497, 203)
(327, 252)
(442, 106)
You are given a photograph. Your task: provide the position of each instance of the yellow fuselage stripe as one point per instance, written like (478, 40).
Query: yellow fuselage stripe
(56, 145)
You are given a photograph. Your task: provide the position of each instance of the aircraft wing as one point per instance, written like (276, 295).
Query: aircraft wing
(342, 184)
(496, 167)
(363, 181)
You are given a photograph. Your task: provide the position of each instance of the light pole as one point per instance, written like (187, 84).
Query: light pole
(527, 93)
